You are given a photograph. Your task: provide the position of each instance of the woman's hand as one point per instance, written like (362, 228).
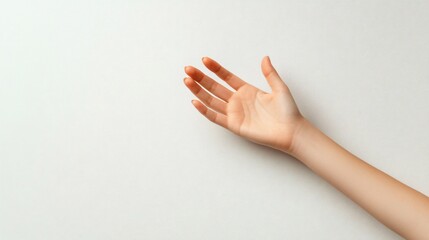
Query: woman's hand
(270, 119)
(273, 119)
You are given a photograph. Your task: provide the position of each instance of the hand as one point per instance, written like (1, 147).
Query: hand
(270, 119)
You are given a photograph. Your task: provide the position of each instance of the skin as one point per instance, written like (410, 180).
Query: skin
(273, 119)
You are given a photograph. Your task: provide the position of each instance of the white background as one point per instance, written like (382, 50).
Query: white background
(99, 140)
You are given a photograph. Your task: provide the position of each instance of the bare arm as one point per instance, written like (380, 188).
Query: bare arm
(273, 119)
(399, 207)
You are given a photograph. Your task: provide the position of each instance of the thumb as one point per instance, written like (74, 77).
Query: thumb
(270, 73)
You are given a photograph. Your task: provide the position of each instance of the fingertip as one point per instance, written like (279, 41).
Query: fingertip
(188, 69)
(197, 105)
(265, 66)
(266, 59)
(206, 60)
(187, 81)
(269, 62)
(211, 64)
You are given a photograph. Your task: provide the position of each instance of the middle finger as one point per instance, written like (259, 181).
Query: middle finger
(208, 83)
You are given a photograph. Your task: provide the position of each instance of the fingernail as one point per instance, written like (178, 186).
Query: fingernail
(202, 59)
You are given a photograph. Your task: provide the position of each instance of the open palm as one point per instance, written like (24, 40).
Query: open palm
(266, 118)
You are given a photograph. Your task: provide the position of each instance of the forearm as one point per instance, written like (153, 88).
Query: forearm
(399, 207)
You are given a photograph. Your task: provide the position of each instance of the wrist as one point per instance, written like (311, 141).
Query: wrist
(299, 136)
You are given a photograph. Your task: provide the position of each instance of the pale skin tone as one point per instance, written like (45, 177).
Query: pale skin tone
(273, 119)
